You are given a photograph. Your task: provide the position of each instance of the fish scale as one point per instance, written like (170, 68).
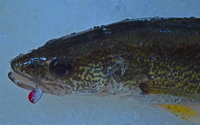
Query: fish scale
(182, 78)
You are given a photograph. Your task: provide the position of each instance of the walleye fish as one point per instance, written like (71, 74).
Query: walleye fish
(152, 60)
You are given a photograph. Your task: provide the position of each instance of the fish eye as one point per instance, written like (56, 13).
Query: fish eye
(60, 68)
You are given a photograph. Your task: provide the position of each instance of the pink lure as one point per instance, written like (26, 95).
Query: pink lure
(35, 95)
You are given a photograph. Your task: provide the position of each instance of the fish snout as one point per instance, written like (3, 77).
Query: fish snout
(10, 76)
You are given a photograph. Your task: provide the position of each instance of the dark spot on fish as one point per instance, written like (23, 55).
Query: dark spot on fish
(184, 118)
(144, 87)
(73, 33)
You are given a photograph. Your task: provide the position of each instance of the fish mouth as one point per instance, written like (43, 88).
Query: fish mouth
(29, 83)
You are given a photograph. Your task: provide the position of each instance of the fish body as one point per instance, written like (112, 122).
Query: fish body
(154, 60)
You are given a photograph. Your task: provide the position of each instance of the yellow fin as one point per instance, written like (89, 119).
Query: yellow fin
(186, 112)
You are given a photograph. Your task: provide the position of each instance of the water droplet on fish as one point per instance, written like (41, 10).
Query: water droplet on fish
(106, 31)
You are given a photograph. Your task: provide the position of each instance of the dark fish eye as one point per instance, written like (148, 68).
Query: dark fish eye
(60, 67)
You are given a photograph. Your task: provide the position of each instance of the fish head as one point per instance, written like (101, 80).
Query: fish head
(62, 66)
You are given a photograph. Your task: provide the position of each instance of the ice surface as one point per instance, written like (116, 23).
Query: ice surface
(26, 25)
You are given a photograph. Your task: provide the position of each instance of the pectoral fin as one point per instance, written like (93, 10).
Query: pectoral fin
(186, 112)
(119, 63)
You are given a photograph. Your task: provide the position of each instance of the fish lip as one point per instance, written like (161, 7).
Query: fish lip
(9, 76)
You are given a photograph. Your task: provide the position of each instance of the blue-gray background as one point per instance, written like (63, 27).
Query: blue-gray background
(26, 25)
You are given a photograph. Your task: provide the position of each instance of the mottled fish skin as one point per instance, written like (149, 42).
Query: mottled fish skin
(160, 57)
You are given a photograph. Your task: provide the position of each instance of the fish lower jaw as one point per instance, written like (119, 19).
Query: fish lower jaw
(19, 80)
